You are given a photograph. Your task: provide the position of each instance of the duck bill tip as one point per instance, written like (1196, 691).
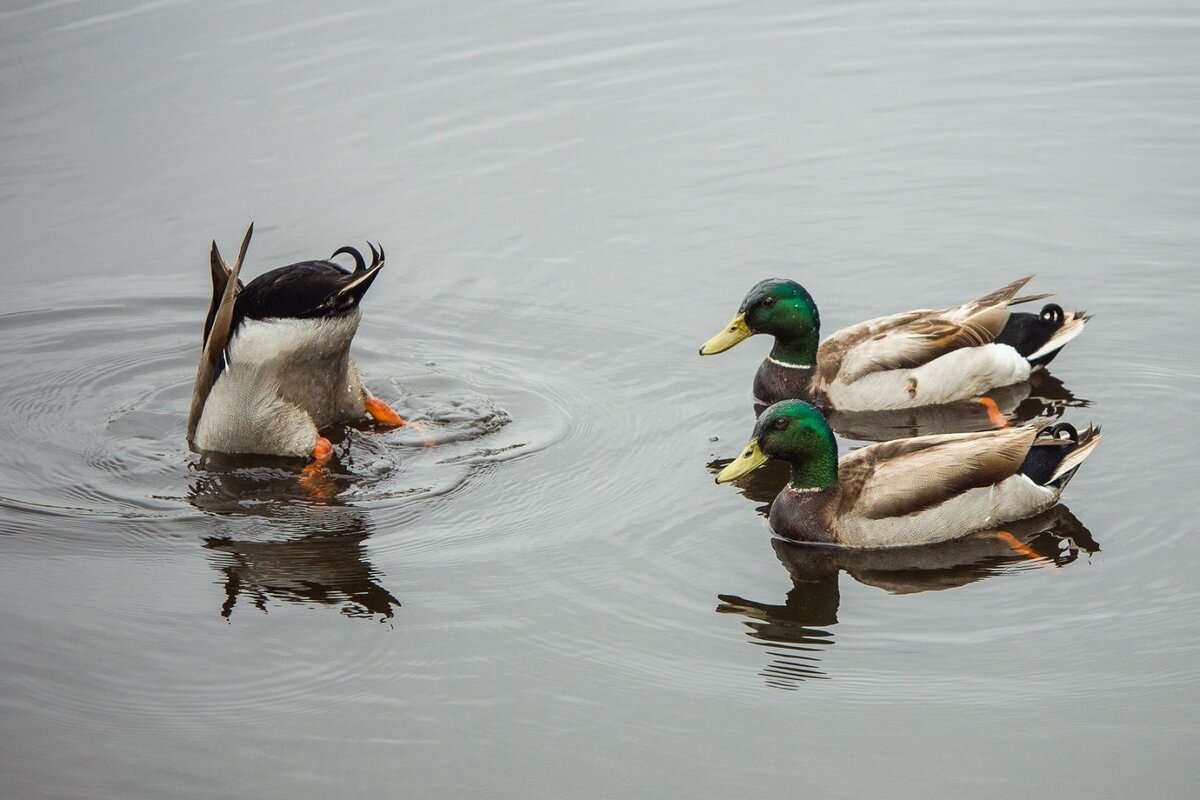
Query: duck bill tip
(736, 331)
(752, 458)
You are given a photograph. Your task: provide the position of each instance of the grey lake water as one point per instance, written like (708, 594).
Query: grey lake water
(540, 592)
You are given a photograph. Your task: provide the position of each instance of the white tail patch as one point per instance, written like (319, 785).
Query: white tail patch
(1090, 438)
(1072, 326)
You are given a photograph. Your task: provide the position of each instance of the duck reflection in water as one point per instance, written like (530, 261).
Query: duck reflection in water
(797, 631)
(1041, 395)
(284, 547)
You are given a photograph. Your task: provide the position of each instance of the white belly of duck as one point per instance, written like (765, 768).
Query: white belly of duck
(284, 380)
(987, 507)
(958, 375)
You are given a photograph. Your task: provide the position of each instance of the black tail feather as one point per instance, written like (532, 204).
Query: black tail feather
(359, 263)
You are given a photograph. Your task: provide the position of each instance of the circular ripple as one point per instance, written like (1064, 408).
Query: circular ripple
(93, 414)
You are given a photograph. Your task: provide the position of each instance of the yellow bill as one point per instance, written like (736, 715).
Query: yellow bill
(734, 332)
(751, 459)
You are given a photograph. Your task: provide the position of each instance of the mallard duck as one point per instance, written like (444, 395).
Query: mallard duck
(909, 491)
(275, 367)
(904, 360)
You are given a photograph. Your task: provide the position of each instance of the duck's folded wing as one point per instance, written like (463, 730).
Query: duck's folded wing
(892, 479)
(833, 350)
(920, 341)
(914, 338)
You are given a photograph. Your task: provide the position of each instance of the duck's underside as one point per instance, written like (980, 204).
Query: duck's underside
(276, 367)
(283, 381)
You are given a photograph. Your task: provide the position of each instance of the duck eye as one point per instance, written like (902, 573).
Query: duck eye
(768, 302)
(780, 423)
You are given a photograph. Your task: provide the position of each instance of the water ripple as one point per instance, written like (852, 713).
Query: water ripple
(94, 426)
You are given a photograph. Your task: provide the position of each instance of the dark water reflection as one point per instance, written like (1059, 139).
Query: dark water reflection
(298, 543)
(1042, 395)
(796, 632)
(570, 193)
(329, 568)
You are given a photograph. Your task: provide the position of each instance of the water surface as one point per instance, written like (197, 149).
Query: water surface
(542, 593)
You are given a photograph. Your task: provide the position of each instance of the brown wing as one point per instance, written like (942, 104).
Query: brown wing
(892, 479)
(216, 328)
(921, 341)
(909, 340)
(833, 350)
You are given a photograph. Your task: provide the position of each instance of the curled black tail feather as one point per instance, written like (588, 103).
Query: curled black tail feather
(1050, 449)
(1053, 313)
(1027, 333)
(359, 263)
(376, 255)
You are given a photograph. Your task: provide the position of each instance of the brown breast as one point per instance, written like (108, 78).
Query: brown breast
(805, 515)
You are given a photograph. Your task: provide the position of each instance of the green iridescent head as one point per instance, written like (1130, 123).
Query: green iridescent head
(796, 432)
(781, 308)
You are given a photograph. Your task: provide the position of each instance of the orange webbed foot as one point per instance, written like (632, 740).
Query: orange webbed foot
(382, 413)
(314, 476)
(1019, 547)
(995, 416)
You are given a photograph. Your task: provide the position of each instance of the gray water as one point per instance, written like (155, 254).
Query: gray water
(542, 594)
